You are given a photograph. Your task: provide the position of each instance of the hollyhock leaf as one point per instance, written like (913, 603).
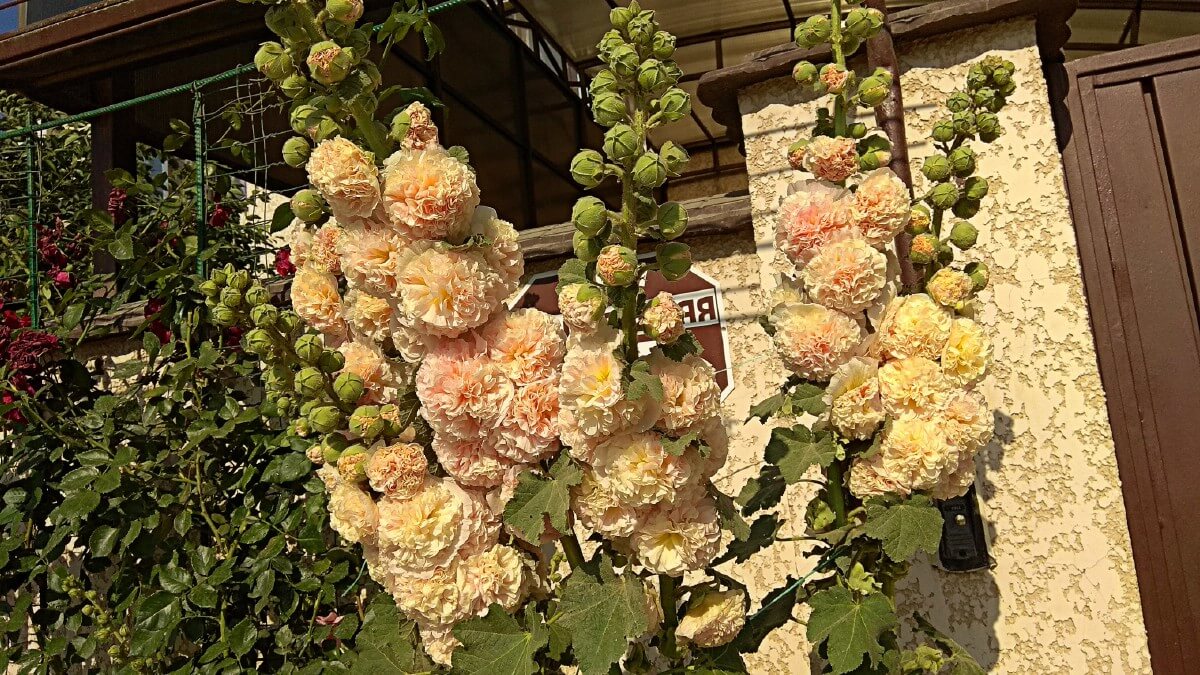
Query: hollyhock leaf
(677, 446)
(682, 347)
(387, 642)
(644, 383)
(762, 491)
(538, 497)
(960, 660)
(906, 527)
(766, 408)
(797, 448)
(573, 271)
(776, 611)
(727, 511)
(603, 612)
(496, 644)
(760, 536)
(850, 626)
(810, 398)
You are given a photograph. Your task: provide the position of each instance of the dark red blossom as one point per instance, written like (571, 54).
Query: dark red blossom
(220, 217)
(118, 207)
(13, 320)
(283, 262)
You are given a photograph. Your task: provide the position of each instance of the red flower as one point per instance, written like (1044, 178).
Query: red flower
(153, 306)
(117, 206)
(283, 262)
(160, 331)
(220, 217)
(13, 320)
(63, 279)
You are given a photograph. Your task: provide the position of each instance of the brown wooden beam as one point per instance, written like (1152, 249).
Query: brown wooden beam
(114, 146)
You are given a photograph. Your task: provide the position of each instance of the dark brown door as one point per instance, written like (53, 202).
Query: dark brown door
(1130, 131)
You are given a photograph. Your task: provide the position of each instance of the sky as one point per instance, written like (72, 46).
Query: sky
(8, 19)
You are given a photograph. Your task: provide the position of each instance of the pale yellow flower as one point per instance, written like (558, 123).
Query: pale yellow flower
(498, 575)
(970, 422)
(852, 397)
(913, 385)
(428, 194)
(352, 512)
(950, 288)
(967, 354)
(914, 325)
(713, 619)
(602, 510)
(346, 177)
(370, 316)
(446, 292)
(636, 468)
(690, 391)
(680, 537)
(815, 214)
(442, 522)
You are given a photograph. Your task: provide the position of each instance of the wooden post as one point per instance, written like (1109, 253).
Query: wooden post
(881, 53)
(113, 147)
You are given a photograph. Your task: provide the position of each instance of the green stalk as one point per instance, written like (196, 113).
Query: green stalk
(667, 590)
(627, 232)
(364, 120)
(836, 491)
(839, 57)
(309, 19)
(572, 550)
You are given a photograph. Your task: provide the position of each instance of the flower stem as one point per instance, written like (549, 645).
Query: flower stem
(836, 491)
(667, 589)
(839, 57)
(571, 548)
(364, 120)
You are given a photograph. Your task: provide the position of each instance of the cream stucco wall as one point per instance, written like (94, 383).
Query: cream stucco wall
(1063, 596)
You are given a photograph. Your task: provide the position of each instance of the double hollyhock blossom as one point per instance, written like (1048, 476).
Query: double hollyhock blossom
(346, 177)
(713, 619)
(428, 194)
(815, 213)
(831, 159)
(813, 340)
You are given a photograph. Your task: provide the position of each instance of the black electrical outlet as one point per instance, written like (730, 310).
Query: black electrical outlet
(964, 546)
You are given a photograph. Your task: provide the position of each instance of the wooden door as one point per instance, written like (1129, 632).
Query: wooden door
(1130, 133)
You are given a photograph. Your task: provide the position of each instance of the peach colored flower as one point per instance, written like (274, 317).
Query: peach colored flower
(679, 537)
(422, 132)
(399, 470)
(319, 251)
(346, 177)
(370, 262)
(526, 344)
(663, 319)
(380, 376)
(582, 307)
(690, 391)
(636, 468)
(462, 392)
(915, 454)
(914, 325)
(950, 288)
(852, 397)
(602, 510)
(883, 206)
(428, 193)
(831, 159)
(499, 575)
(435, 598)
(970, 423)
(815, 214)
(439, 643)
(913, 385)
(967, 354)
(814, 340)
(846, 275)
(530, 431)
(369, 316)
(958, 482)
(352, 512)
(316, 299)
(473, 463)
(713, 619)
(502, 251)
(591, 388)
(446, 292)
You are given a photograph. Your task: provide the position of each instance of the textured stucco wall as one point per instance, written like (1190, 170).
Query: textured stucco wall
(1063, 596)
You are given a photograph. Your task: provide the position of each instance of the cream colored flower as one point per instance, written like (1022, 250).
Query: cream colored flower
(914, 325)
(815, 214)
(439, 643)
(503, 250)
(967, 354)
(957, 483)
(970, 425)
(852, 397)
(663, 319)
(422, 132)
(316, 299)
(428, 193)
(883, 206)
(370, 317)
(419, 535)
(868, 479)
(526, 344)
(636, 468)
(582, 307)
(319, 251)
(681, 537)
(498, 575)
(950, 288)
(591, 388)
(399, 470)
(370, 261)
(915, 455)
(346, 177)
(530, 431)
(602, 510)
(814, 340)
(831, 159)
(433, 599)
(380, 376)
(690, 391)
(446, 292)
(713, 619)
(473, 462)
(352, 512)
(913, 385)
(846, 275)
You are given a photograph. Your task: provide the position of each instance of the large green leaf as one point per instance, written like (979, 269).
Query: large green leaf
(538, 497)
(851, 626)
(387, 642)
(496, 644)
(602, 612)
(795, 449)
(905, 528)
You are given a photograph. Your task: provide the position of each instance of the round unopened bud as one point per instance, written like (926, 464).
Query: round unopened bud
(874, 159)
(264, 315)
(621, 143)
(919, 220)
(590, 215)
(873, 91)
(975, 188)
(663, 45)
(324, 419)
(619, 17)
(856, 130)
(587, 168)
(977, 77)
(924, 249)
(796, 154)
(257, 295)
(937, 168)
(943, 131)
(232, 297)
(273, 61)
(609, 42)
(290, 324)
(674, 105)
(296, 151)
(672, 220)
(367, 422)
(649, 171)
(239, 279)
(329, 63)
(224, 316)
(863, 22)
(641, 29)
(604, 81)
(258, 341)
(663, 319)
(608, 108)
(652, 76)
(308, 206)
(674, 260)
(835, 78)
(959, 101)
(295, 86)
(210, 289)
(586, 248)
(310, 382)
(964, 123)
(344, 11)
(966, 208)
(1001, 77)
(962, 161)
(988, 125)
(348, 387)
(331, 361)
(309, 348)
(815, 30)
(352, 464)
(979, 274)
(943, 196)
(963, 235)
(805, 73)
(674, 157)
(330, 454)
(300, 116)
(616, 265)
(624, 60)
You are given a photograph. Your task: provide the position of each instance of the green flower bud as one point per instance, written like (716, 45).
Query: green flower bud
(815, 30)
(258, 341)
(919, 220)
(290, 324)
(224, 316)
(674, 260)
(672, 220)
(609, 42)
(805, 73)
(348, 387)
(609, 109)
(286, 406)
(962, 161)
(587, 168)
(352, 464)
(621, 143)
(308, 206)
(1001, 77)
(295, 86)
(674, 157)
(979, 274)
(604, 81)
(863, 22)
(936, 168)
(232, 297)
(329, 63)
(616, 266)
(310, 382)
(273, 61)
(641, 29)
(284, 22)
(988, 125)
(674, 105)
(296, 151)
(873, 91)
(330, 454)
(586, 248)
(963, 235)
(943, 131)
(924, 249)
(590, 215)
(619, 17)
(649, 171)
(331, 361)
(966, 208)
(857, 130)
(850, 44)
(624, 60)
(1007, 88)
(943, 196)
(874, 159)
(239, 279)
(300, 117)
(210, 289)
(964, 123)
(977, 77)
(326, 418)
(975, 188)
(309, 348)
(257, 295)
(367, 422)
(959, 101)
(344, 11)
(663, 45)
(652, 76)
(264, 315)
